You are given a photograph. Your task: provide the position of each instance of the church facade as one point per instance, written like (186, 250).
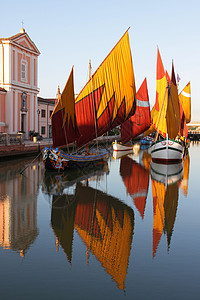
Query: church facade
(18, 84)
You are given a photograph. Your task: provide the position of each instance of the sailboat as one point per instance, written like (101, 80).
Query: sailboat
(136, 124)
(106, 101)
(167, 147)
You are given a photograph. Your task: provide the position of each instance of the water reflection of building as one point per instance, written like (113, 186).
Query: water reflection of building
(104, 224)
(18, 206)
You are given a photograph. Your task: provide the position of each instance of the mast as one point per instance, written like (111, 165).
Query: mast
(95, 117)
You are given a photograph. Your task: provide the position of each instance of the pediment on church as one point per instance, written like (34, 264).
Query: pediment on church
(24, 40)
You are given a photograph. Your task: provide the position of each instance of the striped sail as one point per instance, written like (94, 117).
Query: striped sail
(108, 99)
(185, 100)
(166, 116)
(140, 121)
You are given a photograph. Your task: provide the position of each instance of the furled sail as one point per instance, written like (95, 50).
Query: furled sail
(140, 121)
(185, 99)
(108, 99)
(64, 126)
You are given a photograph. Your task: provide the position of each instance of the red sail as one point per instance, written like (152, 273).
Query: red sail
(183, 126)
(64, 126)
(140, 121)
(136, 180)
(109, 97)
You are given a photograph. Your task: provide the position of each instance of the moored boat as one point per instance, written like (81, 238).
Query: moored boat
(137, 123)
(166, 121)
(166, 151)
(106, 101)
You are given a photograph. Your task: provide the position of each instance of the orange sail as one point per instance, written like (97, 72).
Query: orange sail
(183, 127)
(140, 121)
(158, 192)
(159, 122)
(170, 207)
(184, 182)
(166, 114)
(108, 99)
(62, 223)
(106, 226)
(173, 108)
(64, 126)
(136, 180)
(185, 99)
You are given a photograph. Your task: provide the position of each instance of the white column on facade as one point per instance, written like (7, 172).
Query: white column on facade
(10, 64)
(31, 111)
(16, 111)
(9, 110)
(36, 114)
(16, 65)
(6, 64)
(36, 72)
(1, 62)
(32, 71)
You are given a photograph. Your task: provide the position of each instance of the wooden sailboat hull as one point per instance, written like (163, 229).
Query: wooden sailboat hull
(166, 151)
(126, 147)
(56, 160)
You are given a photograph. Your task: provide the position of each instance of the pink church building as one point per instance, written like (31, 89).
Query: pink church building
(18, 84)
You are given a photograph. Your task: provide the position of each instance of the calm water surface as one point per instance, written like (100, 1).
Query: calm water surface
(125, 231)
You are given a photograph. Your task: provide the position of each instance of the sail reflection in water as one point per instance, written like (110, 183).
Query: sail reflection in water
(18, 206)
(136, 180)
(166, 180)
(104, 223)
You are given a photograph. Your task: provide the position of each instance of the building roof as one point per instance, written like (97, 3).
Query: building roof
(47, 100)
(22, 39)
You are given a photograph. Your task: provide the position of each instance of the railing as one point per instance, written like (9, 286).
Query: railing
(11, 139)
(194, 135)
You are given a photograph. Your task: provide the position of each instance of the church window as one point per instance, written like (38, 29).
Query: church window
(23, 70)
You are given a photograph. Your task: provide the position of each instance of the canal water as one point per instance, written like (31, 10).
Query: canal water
(128, 229)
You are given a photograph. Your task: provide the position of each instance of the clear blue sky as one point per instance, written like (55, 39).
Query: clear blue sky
(72, 32)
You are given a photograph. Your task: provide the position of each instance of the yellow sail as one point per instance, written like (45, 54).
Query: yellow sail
(173, 109)
(158, 192)
(116, 76)
(106, 227)
(184, 182)
(113, 249)
(159, 114)
(170, 207)
(166, 112)
(66, 101)
(185, 99)
(151, 128)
